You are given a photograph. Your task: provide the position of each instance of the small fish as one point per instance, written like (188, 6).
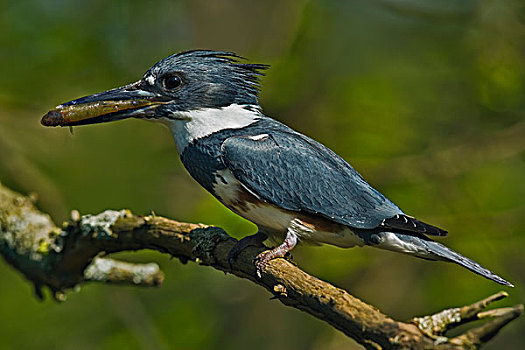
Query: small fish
(85, 113)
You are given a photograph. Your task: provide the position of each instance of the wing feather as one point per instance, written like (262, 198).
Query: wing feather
(296, 173)
(408, 223)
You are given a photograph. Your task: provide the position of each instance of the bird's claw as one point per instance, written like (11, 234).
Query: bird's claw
(262, 260)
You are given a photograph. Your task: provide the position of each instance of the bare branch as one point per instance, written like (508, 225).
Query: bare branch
(62, 258)
(437, 324)
(120, 272)
(475, 337)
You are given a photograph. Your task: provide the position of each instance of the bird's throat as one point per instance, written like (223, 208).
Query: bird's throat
(196, 124)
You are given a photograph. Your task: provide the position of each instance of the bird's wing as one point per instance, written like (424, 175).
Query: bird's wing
(408, 223)
(294, 172)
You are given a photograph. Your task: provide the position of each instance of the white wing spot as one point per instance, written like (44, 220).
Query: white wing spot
(258, 137)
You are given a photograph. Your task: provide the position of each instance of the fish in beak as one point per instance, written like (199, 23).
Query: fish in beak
(125, 102)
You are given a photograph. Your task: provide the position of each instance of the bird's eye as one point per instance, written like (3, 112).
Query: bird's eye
(172, 81)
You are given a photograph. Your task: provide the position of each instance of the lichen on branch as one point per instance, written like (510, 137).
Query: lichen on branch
(63, 258)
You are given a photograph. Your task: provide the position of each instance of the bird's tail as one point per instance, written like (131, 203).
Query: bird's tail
(449, 255)
(428, 249)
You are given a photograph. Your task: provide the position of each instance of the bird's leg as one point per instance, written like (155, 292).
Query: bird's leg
(278, 252)
(253, 240)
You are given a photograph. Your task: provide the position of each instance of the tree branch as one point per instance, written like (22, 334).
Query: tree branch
(120, 272)
(62, 258)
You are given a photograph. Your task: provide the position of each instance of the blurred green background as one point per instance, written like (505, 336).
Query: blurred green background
(425, 98)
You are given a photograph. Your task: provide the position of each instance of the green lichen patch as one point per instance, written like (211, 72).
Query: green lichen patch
(22, 226)
(43, 247)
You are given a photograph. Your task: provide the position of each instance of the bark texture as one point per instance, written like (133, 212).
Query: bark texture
(61, 258)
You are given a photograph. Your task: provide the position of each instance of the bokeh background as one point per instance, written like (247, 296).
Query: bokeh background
(425, 98)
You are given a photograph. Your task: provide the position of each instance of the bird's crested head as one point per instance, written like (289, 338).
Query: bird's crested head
(183, 82)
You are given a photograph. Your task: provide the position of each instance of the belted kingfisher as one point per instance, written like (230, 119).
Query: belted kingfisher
(292, 187)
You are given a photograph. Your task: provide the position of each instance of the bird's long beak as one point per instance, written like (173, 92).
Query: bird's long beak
(121, 103)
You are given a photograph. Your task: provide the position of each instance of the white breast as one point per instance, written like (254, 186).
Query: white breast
(247, 204)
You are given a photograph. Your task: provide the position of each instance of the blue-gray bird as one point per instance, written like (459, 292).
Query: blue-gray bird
(292, 187)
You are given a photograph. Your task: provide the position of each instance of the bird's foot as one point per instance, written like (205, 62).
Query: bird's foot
(265, 257)
(281, 251)
(253, 240)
